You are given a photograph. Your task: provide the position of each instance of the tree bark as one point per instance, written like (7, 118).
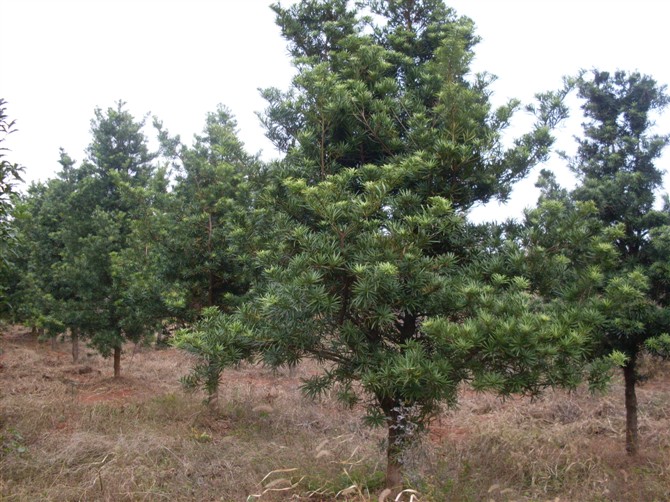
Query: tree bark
(213, 399)
(394, 446)
(117, 362)
(393, 464)
(74, 333)
(210, 289)
(631, 406)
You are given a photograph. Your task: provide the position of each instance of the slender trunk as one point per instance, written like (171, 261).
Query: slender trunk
(117, 362)
(213, 399)
(394, 446)
(631, 406)
(54, 342)
(210, 289)
(74, 333)
(393, 464)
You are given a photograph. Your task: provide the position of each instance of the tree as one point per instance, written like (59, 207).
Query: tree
(389, 140)
(615, 166)
(205, 227)
(118, 162)
(208, 238)
(363, 289)
(48, 227)
(10, 174)
(80, 229)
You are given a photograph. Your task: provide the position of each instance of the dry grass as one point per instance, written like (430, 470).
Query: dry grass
(71, 432)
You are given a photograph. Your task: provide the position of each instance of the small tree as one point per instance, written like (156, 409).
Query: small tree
(390, 140)
(374, 269)
(205, 230)
(615, 165)
(47, 289)
(363, 289)
(10, 174)
(85, 222)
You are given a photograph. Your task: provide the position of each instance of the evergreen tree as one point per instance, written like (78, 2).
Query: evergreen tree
(41, 292)
(10, 174)
(206, 222)
(80, 224)
(615, 165)
(118, 162)
(389, 140)
(209, 235)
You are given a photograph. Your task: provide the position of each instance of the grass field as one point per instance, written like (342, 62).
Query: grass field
(73, 433)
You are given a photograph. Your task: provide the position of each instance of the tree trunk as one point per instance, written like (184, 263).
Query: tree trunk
(213, 399)
(117, 362)
(210, 289)
(631, 406)
(74, 333)
(54, 342)
(393, 464)
(394, 446)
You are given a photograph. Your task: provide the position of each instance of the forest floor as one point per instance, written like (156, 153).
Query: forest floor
(71, 432)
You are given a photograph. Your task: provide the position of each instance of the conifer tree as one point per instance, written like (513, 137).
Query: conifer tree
(38, 292)
(205, 226)
(10, 175)
(118, 161)
(77, 229)
(389, 140)
(615, 166)
(208, 235)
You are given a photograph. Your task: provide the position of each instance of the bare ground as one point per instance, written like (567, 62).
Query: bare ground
(74, 433)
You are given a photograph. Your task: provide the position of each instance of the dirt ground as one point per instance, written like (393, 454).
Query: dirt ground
(73, 432)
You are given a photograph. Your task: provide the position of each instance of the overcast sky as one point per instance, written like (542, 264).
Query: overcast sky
(177, 59)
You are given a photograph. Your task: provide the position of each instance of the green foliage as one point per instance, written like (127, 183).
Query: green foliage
(615, 164)
(404, 91)
(218, 341)
(373, 268)
(205, 228)
(10, 175)
(659, 345)
(85, 265)
(623, 254)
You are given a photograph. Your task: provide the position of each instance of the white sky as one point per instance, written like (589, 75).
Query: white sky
(177, 59)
